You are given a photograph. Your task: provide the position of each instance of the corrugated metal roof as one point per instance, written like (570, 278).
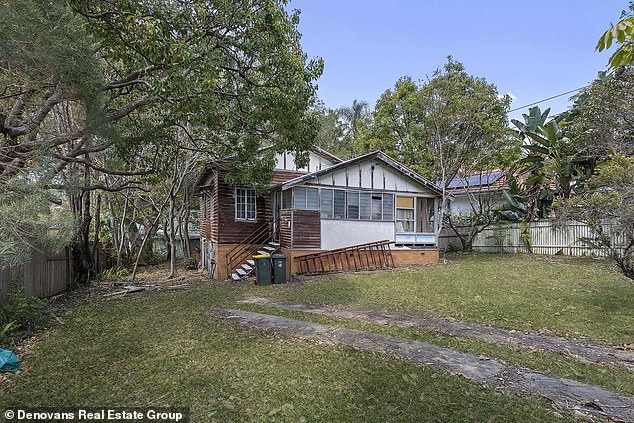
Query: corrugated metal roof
(476, 180)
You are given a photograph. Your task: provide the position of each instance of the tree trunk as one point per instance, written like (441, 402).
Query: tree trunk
(148, 233)
(114, 229)
(95, 248)
(172, 235)
(80, 209)
(187, 251)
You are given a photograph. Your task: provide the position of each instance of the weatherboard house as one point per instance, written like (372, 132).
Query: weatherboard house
(370, 211)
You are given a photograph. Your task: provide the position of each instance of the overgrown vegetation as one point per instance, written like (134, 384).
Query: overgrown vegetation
(20, 315)
(112, 274)
(608, 209)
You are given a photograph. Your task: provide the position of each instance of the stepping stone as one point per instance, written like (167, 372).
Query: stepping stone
(574, 396)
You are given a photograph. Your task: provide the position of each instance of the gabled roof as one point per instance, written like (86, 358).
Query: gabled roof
(376, 155)
(326, 155)
(214, 165)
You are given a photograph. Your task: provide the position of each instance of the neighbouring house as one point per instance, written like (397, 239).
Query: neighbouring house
(480, 190)
(328, 205)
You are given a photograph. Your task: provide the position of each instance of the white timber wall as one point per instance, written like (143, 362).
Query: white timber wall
(373, 175)
(545, 239)
(345, 233)
(286, 161)
(460, 203)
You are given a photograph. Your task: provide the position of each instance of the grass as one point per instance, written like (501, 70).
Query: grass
(573, 297)
(164, 349)
(614, 378)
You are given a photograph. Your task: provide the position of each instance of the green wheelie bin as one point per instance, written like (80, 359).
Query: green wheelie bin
(262, 269)
(279, 268)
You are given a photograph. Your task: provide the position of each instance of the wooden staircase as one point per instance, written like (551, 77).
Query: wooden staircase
(240, 263)
(370, 256)
(247, 267)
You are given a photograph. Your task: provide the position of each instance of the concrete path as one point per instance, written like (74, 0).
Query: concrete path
(582, 350)
(582, 398)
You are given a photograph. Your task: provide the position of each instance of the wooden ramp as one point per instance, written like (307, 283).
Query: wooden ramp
(371, 256)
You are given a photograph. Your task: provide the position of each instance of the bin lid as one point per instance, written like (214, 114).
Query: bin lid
(262, 256)
(278, 256)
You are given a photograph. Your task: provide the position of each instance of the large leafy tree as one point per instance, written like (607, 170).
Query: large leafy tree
(604, 117)
(450, 125)
(97, 87)
(397, 128)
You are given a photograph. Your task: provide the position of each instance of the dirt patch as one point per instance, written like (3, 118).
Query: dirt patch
(583, 399)
(580, 349)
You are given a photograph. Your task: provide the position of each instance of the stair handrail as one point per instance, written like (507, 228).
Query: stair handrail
(260, 233)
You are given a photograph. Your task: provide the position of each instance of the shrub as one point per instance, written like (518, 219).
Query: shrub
(21, 315)
(112, 274)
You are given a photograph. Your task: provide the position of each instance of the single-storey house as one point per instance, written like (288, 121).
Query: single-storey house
(479, 190)
(327, 205)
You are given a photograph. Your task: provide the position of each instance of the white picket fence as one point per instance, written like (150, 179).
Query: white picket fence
(545, 239)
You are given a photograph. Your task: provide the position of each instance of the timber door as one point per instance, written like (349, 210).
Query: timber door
(277, 206)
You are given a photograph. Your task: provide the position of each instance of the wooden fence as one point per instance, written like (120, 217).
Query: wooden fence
(545, 239)
(46, 273)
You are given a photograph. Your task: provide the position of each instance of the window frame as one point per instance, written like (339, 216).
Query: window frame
(244, 205)
(397, 219)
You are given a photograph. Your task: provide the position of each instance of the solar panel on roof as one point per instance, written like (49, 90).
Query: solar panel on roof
(476, 180)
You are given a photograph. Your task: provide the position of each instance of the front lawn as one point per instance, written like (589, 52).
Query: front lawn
(164, 349)
(561, 295)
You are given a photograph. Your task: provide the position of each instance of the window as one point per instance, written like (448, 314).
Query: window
(287, 198)
(299, 198)
(353, 205)
(365, 199)
(388, 207)
(245, 204)
(312, 198)
(305, 198)
(404, 214)
(325, 204)
(377, 207)
(340, 204)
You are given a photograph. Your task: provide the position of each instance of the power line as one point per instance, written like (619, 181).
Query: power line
(549, 98)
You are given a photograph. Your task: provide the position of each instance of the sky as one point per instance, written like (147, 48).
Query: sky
(530, 49)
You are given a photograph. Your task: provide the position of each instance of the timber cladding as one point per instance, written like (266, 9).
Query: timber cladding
(280, 176)
(209, 208)
(227, 228)
(300, 228)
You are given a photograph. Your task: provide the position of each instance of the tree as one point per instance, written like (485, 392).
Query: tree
(608, 209)
(451, 125)
(354, 122)
(125, 74)
(397, 126)
(604, 122)
(623, 33)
